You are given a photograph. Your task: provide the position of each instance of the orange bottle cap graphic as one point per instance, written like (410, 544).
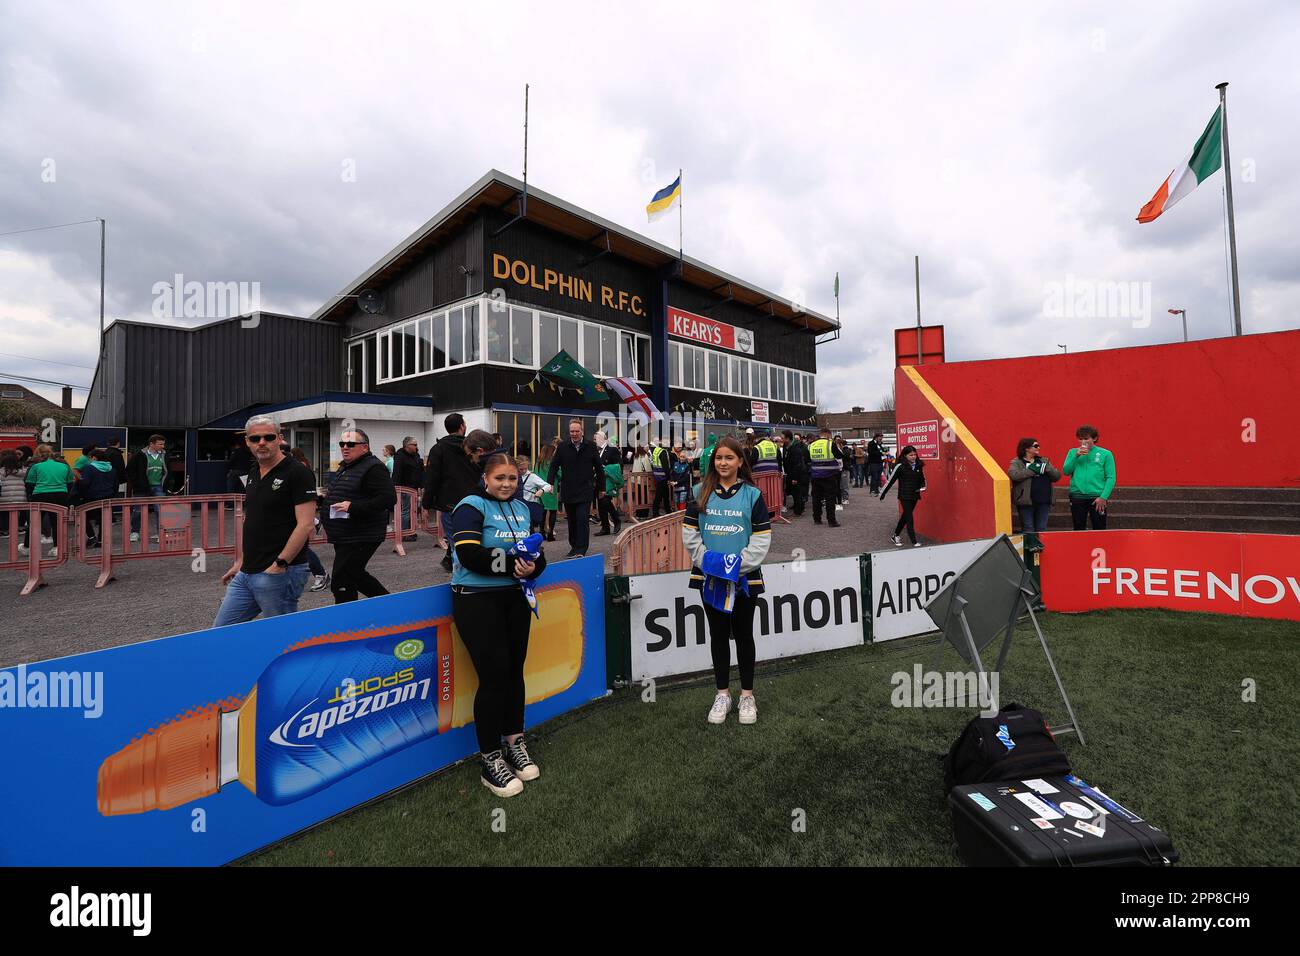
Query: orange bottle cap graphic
(174, 764)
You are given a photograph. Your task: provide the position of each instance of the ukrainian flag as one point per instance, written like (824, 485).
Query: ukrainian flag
(664, 200)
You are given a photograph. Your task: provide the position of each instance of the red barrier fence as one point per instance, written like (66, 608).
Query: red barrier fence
(652, 546)
(35, 561)
(169, 527)
(637, 494)
(772, 485)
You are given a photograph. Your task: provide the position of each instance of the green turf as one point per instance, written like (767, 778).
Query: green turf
(1159, 695)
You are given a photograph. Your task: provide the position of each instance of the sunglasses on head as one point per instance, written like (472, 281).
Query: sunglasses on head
(258, 439)
(1034, 445)
(350, 444)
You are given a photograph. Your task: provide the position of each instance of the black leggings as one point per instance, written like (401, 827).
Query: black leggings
(350, 574)
(723, 627)
(493, 626)
(906, 519)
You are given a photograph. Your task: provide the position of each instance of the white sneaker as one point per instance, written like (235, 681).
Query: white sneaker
(748, 710)
(916, 544)
(23, 549)
(54, 552)
(135, 536)
(721, 705)
(898, 542)
(45, 539)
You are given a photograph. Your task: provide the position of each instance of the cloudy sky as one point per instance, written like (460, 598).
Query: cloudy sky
(1009, 146)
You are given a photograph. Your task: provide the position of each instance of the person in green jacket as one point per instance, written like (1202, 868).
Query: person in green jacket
(1092, 480)
(50, 479)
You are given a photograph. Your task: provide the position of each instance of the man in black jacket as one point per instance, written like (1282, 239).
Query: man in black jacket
(797, 464)
(358, 504)
(608, 507)
(453, 472)
(584, 481)
(875, 462)
(408, 472)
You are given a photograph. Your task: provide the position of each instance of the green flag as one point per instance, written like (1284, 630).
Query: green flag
(564, 374)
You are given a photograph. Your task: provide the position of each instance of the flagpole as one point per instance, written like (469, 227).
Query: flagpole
(1232, 227)
(681, 201)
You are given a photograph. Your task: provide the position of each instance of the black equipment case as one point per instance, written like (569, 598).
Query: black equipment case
(1052, 821)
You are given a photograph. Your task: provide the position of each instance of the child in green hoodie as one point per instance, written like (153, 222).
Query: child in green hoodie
(1092, 480)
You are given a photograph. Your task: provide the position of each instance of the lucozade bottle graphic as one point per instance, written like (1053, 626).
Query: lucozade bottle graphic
(330, 706)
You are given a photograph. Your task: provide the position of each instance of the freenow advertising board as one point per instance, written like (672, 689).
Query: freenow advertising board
(903, 581)
(1255, 575)
(699, 328)
(806, 606)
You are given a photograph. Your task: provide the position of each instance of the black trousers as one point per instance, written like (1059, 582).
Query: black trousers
(350, 575)
(799, 492)
(493, 625)
(826, 491)
(723, 629)
(49, 523)
(608, 509)
(578, 513)
(1082, 512)
(662, 494)
(906, 519)
(874, 471)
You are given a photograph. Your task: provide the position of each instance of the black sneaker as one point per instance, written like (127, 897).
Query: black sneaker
(446, 564)
(496, 776)
(516, 756)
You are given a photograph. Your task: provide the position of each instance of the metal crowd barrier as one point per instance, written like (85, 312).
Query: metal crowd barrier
(176, 532)
(34, 562)
(651, 546)
(637, 494)
(772, 485)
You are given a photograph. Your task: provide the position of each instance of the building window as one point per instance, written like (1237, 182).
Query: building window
(674, 360)
(569, 337)
(456, 337)
(440, 340)
(424, 328)
(591, 348)
(549, 337)
(498, 334)
(643, 358)
(471, 333)
(521, 337)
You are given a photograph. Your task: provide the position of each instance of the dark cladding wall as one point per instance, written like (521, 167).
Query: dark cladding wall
(455, 388)
(431, 281)
(775, 340)
(736, 407)
(609, 290)
(183, 378)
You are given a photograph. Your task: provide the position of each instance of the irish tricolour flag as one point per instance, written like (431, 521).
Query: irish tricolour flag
(1206, 157)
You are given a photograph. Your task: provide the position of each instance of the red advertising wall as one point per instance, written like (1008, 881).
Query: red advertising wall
(967, 494)
(1173, 415)
(1254, 575)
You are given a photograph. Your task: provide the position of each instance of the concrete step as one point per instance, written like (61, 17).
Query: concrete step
(1176, 506)
(1124, 520)
(1125, 493)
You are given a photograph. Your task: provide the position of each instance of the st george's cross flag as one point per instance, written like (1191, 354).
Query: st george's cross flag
(631, 395)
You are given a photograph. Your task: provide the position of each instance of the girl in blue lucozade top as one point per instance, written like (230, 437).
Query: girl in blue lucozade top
(493, 618)
(727, 531)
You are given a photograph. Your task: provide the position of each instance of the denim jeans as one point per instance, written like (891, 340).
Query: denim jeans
(1034, 517)
(270, 595)
(153, 512)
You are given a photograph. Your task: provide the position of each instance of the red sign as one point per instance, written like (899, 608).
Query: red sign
(1255, 575)
(931, 345)
(759, 411)
(923, 436)
(698, 328)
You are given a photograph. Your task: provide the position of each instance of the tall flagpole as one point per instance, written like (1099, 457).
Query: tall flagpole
(681, 199)
(1232, 226)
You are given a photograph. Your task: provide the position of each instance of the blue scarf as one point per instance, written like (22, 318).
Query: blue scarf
(721, 580)
(530, 548)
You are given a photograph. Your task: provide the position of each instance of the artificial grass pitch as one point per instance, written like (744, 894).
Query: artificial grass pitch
(624, 781)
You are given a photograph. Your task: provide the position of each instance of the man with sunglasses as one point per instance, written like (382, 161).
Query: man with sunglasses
(268, 577)
(358, 505)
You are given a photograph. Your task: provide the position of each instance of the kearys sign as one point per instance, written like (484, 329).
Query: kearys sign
(688, 325)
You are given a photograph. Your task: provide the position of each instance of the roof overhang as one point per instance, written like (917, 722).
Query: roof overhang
(497, 191)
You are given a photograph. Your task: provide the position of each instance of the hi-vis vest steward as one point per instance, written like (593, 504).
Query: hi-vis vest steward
(659, 463)
(766, 457)
(824, 462)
